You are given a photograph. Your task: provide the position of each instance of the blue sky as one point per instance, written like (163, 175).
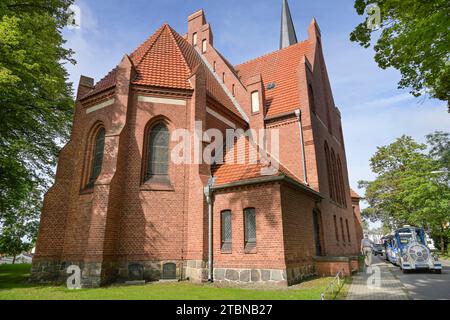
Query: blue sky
(374, 111)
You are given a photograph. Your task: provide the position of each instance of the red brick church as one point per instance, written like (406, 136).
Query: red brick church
(122, 210)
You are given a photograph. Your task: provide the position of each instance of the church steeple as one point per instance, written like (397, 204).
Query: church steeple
(288, 36)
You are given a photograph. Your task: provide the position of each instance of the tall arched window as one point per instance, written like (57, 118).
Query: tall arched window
(312, 101)
(157, 165)
(97, 157)
(341, 180)
(334, 177)
(329, 171)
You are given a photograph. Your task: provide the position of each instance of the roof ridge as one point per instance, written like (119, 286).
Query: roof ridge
(270, 53)
(157, 35)
(172, 33)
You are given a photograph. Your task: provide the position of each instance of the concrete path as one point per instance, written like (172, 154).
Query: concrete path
(426, 285)
(379, 283)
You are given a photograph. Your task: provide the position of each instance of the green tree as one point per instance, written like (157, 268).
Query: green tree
(410, 187)
(18, 231)
(35, 99)
(414, 39)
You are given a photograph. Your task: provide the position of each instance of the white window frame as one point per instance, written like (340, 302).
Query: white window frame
(255, 102)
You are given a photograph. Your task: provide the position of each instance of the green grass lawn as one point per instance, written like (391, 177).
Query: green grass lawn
(14, 286)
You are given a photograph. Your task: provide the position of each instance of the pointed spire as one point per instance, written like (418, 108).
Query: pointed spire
(288, 36)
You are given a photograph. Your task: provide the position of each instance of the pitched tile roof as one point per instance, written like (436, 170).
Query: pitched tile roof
(281, 68)
(167, 60)
(160, 62)
(245, 162)
(354, 194)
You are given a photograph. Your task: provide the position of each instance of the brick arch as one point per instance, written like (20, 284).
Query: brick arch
(89, 140)
(334, 176)
(152, 123)
(329, 171)
(341, 182)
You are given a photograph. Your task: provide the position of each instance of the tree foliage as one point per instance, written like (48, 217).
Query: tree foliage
(411, 185)
(35, 100)
(414, 39)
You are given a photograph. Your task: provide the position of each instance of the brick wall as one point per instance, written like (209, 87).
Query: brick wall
(269, 251)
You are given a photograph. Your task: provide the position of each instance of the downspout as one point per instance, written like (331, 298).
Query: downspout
(210, 201)
(298, 114)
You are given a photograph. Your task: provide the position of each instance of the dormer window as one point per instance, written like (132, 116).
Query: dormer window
(194, 39)
(255, 102)
(204, 45)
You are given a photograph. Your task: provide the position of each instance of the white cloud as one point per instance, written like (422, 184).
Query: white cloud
(386, 102)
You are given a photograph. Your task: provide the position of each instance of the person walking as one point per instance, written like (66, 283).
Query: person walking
(366, 250)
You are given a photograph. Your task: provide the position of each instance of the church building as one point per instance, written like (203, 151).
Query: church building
(122, 210)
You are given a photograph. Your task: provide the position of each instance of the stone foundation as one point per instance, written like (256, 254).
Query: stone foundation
(96, 274)
(239, 277)
(196, 271)
(55, 272)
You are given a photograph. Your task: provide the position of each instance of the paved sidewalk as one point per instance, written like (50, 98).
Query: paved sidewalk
(381, 284)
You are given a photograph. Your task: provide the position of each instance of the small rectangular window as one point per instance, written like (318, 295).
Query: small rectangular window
(250, 227)
(194, 39)
(204, 45)
(223, 77)
(255, 102)
(226, 230)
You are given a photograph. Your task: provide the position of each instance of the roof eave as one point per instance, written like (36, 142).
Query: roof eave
(269, 179)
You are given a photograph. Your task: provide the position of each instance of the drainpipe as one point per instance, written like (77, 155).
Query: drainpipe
(298, 114)
(209, 199)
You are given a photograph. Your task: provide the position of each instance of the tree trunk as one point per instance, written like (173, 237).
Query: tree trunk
(442, 245)
(14, 260)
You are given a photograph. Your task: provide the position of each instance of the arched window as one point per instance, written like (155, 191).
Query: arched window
(342, 229)
(334, 177)
(329, 171)
(97, 157)
(157, 164)
(312, 101)
(341, 179)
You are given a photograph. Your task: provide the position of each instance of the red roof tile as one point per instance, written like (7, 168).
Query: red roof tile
(253, 165)
(160, 63)
(281, 68)
(167, 60)
(354, 194)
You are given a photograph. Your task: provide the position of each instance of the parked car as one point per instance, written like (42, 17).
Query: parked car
(378, 249)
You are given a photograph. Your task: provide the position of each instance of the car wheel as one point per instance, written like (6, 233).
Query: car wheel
(405, 271)
(438, 271)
